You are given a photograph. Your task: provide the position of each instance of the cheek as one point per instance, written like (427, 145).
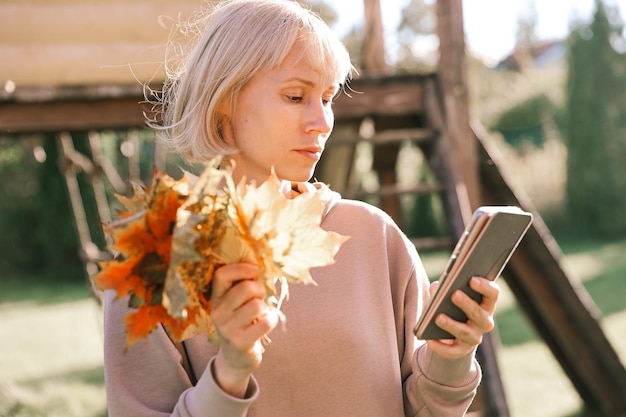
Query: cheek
(330, 117)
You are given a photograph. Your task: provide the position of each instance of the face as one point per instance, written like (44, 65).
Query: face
(282, 119)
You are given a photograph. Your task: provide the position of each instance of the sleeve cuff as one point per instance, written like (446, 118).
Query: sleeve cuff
(207, 395)
(449, 372)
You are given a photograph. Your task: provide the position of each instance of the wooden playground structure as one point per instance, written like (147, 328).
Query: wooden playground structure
(56, 85)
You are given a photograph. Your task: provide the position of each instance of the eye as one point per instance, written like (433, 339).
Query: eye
(294, 99)
(328, 100)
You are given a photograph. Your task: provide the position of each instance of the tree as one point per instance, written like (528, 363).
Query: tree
(596, 189)
(326, 12)
(417, 26)
(55, 225)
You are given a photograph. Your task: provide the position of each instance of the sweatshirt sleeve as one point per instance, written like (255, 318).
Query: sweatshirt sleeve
(433, 386)
(148, 379)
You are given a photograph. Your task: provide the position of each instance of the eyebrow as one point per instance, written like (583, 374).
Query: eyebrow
(309, 83)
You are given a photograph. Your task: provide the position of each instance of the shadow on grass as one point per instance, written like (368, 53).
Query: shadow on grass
(42, 291)
(585, 412)
(30, 397)
(91, 376)
(514, 328)
(607, 288)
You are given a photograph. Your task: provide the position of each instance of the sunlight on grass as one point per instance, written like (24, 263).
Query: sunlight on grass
(589, 260)
(51, 342)
(68, 335)
(534, 383)
(615, 328)
(58, 397)
(51, 359)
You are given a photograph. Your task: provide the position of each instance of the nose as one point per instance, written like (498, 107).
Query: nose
(320, 118)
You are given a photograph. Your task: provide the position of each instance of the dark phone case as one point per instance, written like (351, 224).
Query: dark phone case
(484, 250)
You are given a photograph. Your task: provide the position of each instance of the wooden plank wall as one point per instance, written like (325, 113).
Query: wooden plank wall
(78, 42)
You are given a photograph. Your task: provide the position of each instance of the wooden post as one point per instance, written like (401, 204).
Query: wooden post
(373, 49)
(453, 75)
(460, 147)
(374, 64)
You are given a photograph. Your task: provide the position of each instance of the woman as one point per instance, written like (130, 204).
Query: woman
(258, 88)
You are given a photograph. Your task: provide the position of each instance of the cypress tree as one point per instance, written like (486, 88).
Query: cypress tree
(596, 197)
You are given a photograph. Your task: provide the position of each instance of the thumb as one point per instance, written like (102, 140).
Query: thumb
(433, 287)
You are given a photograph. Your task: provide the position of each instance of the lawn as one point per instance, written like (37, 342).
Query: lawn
(51, 344)
(51, 337)
(535, 385)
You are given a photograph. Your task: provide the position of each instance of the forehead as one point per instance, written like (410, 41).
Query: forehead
(304, 61)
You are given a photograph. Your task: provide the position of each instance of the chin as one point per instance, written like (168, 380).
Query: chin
(296, 175)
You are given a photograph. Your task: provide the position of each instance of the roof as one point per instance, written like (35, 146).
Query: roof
(539, 54)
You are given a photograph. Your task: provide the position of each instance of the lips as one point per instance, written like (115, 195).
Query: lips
(312, 152)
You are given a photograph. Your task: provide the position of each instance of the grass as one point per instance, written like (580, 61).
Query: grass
(51, 337)
(535, 384)
(51, 344)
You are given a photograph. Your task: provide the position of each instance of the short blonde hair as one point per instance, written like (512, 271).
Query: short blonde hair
(234, 40)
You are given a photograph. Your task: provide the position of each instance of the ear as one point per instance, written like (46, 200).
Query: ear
(225, 130)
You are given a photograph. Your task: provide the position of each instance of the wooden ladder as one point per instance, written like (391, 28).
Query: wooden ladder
(409, 109)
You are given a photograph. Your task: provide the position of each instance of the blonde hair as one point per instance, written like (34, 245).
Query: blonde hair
(233, 41)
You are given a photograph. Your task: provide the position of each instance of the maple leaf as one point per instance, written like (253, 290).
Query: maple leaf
(299, 243)
(175, 234)
(142, 238)
(283, 234)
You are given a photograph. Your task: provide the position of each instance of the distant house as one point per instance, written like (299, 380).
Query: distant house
(540, 54)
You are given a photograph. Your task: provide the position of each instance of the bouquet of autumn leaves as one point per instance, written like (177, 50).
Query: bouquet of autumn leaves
(174, 235)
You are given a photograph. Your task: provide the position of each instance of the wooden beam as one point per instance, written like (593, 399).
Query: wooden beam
(367, 96)
(123, 112)
(118, 106)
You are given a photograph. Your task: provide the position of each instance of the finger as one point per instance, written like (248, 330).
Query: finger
(490, 291)
(242, 292)
(263, 324)
(450, 348)
(433, 287)
(243, 332)
(243, 301)
(476, 313)
(250, 312)
(467, 333)
(228, 275)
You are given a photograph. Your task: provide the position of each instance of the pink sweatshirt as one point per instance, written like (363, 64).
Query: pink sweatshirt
(347, 348)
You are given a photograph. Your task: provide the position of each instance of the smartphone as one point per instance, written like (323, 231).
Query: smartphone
(483, 250)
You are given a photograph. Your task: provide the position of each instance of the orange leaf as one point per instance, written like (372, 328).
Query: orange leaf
(119, 276)
(133, 238)
(142, 322)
